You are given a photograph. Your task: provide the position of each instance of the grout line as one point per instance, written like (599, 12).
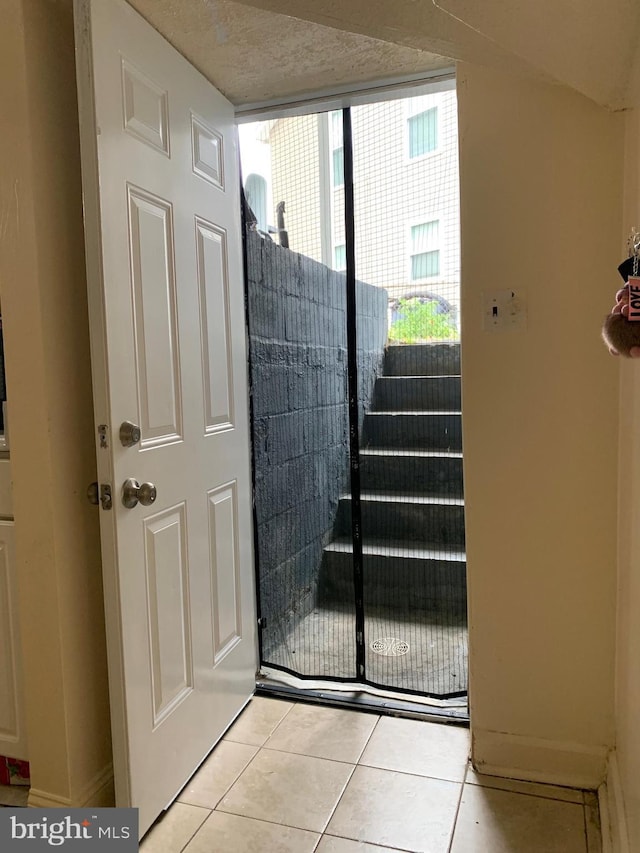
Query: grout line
(258, 749)
(290, 825)
(455, 818)
(229, 786)
(370, 766)
(416, 775)
(258, 746)
(335, 808)
(375, 844)
(269, 822)
(306, 755)
(279, 723)
(197, 830)
(368, 739)
(158, 823)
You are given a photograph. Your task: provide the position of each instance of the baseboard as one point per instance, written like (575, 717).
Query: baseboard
(615, 837)
(98, 792)
(44, 800)
(572, 765)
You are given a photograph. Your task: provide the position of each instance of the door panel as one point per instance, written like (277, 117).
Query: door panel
(226, 582)
(213, 280)
(155, 321)
(160, 178)
(207, 148)
(168, 610)
(145, 108)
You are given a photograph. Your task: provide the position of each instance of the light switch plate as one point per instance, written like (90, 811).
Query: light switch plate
(503, 311)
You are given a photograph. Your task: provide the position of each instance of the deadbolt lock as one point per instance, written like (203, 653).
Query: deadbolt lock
(134, 493)
(129, 434)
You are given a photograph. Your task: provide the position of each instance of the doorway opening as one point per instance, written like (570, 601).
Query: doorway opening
(353, 297)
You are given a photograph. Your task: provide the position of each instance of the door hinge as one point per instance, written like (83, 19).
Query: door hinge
(262, 622)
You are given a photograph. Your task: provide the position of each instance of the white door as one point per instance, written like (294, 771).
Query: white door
(162, 213)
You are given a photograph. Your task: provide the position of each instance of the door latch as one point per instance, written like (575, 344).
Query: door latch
(100, 494)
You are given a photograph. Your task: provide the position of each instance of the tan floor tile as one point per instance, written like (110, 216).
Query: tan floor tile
(397, 810)
(505, 822)
(229, 833)
(414, 746)
(332, 844)
(178, 825)
(258, 720)
(592, 822)
(217, 774)
(323, 732)
(552, 792)
(295, 790)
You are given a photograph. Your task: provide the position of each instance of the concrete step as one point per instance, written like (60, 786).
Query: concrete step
(417, 393)
(422, 360)
(404, 470)
(439, 430)
(397, 577)
(436, 521)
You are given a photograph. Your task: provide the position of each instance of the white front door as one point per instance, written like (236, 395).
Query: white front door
(162, 213)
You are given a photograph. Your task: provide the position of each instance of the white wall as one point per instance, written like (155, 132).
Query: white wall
(44, 307)
(541, 184)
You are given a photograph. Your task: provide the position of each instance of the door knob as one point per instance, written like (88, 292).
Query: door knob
(133, 493)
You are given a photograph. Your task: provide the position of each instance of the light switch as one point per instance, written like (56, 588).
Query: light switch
(503, 311)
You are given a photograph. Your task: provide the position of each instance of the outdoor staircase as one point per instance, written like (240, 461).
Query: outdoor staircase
(411, 491)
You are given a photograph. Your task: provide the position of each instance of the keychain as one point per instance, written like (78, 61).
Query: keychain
(621, 333)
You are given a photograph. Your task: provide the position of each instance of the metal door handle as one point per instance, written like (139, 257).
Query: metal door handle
(133, 493)
(129, 434)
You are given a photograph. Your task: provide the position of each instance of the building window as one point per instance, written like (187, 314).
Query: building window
(255, 188)
(340, 257)
(423, 132)
(425, 250)
(337, 148)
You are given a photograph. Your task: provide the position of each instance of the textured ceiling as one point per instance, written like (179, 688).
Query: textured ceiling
(253, 55)
(265, 50)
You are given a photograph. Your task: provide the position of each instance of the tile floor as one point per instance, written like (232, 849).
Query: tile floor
(297, 778)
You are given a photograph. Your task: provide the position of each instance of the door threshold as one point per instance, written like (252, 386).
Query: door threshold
(361, 697)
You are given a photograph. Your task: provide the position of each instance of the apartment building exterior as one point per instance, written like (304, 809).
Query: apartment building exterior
(406, 190)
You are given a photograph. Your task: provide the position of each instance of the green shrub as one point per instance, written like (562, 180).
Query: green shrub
(418, 322)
